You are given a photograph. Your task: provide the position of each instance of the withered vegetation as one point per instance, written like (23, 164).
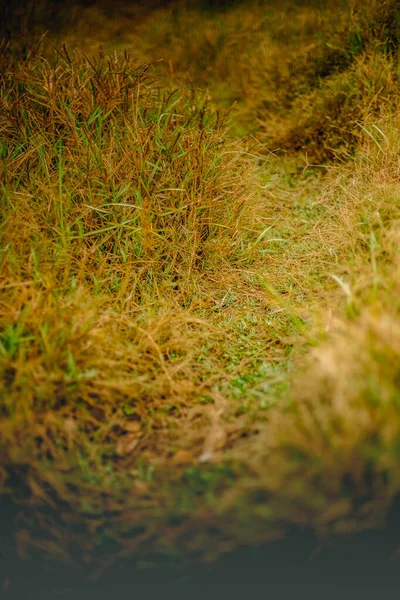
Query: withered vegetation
(199, 336)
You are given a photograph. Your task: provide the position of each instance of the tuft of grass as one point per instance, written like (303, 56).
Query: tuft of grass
(126, 215)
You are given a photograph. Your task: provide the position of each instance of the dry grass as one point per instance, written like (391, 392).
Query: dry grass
(338, 443)
(300, 77)
(161, 289)
(246, 57)
(126, 218)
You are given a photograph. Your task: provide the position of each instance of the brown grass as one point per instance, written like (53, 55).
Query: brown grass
(338, 442)
(162, 286)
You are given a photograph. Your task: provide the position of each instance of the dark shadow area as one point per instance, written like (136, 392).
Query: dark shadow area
(28, 18)
(358, 566)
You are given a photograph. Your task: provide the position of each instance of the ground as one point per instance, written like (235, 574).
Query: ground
(200, 307)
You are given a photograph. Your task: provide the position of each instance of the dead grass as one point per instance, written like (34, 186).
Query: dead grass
(161, 290)
(299, 77)
(125, 219)
(339, 441)
(246, 58)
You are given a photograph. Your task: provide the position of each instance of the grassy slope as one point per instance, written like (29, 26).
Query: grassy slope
(160, 287)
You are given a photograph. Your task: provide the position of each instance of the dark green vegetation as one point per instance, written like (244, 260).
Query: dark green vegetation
(199, 338)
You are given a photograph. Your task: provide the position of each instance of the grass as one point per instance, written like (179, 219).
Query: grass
(299, 77)
(191, 316)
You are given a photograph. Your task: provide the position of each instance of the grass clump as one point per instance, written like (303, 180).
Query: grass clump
(122, 207)
(142, 290)
(152, 179)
